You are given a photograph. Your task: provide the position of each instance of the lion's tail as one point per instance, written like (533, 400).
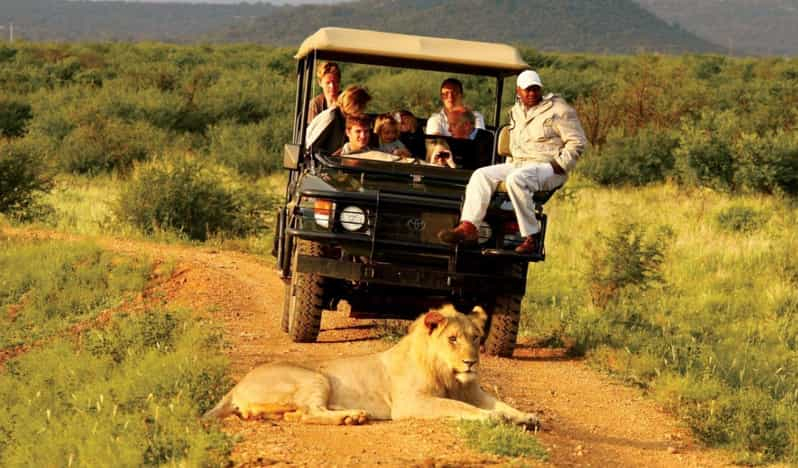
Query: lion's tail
(222, 409)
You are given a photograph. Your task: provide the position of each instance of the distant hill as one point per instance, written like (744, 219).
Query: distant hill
(751, 27)
(566, 25)
(61, 20)
(605, 26)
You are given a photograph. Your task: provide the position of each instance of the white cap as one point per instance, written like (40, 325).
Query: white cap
(528, 78)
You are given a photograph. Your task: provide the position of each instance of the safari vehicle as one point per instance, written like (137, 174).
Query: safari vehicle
(363, 228)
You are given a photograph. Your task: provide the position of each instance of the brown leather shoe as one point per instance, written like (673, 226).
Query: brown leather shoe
(464, 232)
(528, 247)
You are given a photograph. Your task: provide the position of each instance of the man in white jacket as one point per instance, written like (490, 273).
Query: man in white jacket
(546, 140)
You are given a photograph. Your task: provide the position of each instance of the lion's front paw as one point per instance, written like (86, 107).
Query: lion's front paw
(530, 420)
(356, 418)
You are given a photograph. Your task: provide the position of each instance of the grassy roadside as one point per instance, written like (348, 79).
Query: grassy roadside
(88, 205)
(127, 393)
(700, 309)
(501, 439)
(690, 294)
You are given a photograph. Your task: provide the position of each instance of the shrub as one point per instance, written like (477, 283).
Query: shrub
(625, 259)
(639, 159)
(249, 149)
(770, 163)
(7, 53)
(14, 117)
(195, 198)
(740, 219)
(704, 156)
(23, 176)
(107, 145)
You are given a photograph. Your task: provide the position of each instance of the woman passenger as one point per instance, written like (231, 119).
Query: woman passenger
(327, 132)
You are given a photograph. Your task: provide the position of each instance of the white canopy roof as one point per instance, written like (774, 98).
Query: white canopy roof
(430, 50)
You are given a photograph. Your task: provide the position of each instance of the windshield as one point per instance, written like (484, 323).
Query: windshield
(402, 116)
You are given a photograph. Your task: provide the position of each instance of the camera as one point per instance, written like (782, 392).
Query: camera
(444, 155)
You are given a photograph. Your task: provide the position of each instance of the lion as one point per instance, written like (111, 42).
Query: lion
(432, 372)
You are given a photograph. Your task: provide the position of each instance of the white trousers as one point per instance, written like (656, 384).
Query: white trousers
(522, 182)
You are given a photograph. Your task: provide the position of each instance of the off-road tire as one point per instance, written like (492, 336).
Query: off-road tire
(307, 303)
(503, 325)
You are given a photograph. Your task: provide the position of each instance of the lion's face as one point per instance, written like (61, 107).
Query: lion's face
(454, 341)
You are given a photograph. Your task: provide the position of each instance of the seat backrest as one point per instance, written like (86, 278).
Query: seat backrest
(503, 142)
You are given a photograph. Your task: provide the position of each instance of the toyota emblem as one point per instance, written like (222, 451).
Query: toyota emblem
(416, 224)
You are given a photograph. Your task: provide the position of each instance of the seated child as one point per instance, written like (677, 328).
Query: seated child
(409, 133)
(358, 132)
(387, 130)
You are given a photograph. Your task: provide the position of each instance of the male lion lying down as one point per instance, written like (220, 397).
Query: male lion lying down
(430, 373)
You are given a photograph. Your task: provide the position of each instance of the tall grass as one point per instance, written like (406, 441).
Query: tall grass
(84, 205)
(88, 206)
(46, 288)
(715, 338)
(127, 393)
(501, 439)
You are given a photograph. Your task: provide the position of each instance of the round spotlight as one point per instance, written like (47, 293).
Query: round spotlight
(353, 218)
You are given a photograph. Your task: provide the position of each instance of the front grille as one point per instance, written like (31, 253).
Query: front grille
(413, 224)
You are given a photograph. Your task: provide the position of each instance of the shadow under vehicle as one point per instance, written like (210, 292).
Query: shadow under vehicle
(363, 228)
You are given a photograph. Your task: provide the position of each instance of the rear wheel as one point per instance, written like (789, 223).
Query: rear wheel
(304, 307)
(503, 325)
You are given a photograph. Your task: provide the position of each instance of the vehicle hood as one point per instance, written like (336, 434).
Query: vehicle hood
(417, 181)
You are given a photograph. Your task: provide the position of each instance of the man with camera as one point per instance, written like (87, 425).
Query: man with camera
(546, 140)
(470, 147)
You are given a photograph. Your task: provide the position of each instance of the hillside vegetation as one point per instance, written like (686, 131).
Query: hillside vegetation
(671, 258)
(606, 26)
(571, 25)
(82, 20)
(743, 27)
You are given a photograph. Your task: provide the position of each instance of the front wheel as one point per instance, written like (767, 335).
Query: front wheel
(503, 325)
(305, 296)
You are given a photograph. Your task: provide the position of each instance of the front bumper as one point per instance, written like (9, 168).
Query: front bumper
(410, 276)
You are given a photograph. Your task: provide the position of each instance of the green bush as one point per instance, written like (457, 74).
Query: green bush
(250, 149)
(109, 145)
(625, 259)
(14, 117)
(640, 159)
(193, 197)
(767, 164)
(740, 219)
(704, 155)
(7, 53)
(23, 177)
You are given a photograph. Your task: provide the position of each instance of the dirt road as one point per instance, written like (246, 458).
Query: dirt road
(591, 421)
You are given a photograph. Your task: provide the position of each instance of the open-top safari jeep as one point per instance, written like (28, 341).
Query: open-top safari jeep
(363, 228)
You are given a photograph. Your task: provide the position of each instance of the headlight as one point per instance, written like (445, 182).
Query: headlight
(353, 218)
(323, 211)
(484, 232)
